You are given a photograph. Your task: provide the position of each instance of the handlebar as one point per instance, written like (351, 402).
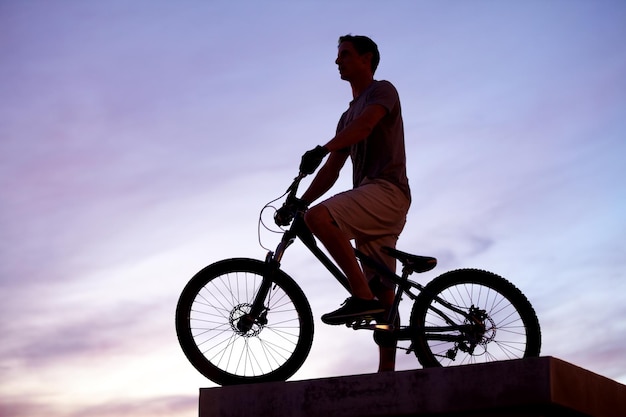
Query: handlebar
(284, 215)
(281, 217)
(293, 188)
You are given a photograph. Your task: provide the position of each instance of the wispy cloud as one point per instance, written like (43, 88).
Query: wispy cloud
(139, 143)
(173, 406)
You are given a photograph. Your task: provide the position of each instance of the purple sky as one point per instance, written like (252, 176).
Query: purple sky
(140, 139)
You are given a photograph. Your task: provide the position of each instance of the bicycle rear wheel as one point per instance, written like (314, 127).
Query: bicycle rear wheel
(497, 321)
(210, 307)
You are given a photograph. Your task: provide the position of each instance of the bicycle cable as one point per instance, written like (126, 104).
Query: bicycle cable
(261, 223)
(292, 189)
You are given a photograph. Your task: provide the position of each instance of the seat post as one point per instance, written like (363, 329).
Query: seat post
(402, 286)
(406, 271)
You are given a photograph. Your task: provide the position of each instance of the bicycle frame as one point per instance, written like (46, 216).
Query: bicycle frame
(298, 229)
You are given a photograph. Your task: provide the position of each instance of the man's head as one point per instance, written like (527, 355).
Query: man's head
(365, 47)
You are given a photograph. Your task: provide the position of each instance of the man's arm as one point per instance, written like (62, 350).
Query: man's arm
(326, 176)
(358, 129)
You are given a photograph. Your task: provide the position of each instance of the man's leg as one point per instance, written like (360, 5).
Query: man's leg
(385, 292)
(322, 225)
(387, 351)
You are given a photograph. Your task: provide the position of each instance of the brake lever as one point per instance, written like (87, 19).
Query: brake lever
(294, 185)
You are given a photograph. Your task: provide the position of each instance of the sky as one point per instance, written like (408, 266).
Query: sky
(140, 139)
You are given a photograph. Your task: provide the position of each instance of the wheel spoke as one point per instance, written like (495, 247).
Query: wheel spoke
(228, 350)
(498, 323)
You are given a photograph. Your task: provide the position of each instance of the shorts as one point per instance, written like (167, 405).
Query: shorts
(373, 214)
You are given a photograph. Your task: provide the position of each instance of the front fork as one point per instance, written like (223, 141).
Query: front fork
(258, 310)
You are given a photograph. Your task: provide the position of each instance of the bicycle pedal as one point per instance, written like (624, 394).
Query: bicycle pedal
(365, 324)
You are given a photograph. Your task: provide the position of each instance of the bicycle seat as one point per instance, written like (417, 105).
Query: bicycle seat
(414, 263)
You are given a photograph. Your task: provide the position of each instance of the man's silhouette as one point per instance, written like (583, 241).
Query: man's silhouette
(373, 212)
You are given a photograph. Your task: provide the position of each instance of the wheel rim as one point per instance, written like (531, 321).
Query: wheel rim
(216, 324)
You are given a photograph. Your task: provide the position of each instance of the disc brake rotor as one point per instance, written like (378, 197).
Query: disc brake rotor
(242, 323)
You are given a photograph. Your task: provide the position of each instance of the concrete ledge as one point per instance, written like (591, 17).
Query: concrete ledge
(529, 387)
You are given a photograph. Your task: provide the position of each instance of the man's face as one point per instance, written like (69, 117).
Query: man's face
(350, 63)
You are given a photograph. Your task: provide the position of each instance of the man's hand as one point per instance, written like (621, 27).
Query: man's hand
(287, 212)
(312, 159)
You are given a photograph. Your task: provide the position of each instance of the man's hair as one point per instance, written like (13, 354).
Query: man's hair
(363, 45)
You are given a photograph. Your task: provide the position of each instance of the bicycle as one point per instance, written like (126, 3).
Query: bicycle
(242, 320)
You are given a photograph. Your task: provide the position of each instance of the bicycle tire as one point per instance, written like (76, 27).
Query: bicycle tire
(509, 328)
(206, 317)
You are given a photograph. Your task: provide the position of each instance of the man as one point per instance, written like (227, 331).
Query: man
(373, 213)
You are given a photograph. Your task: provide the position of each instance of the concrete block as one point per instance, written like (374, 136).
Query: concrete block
(519, 388)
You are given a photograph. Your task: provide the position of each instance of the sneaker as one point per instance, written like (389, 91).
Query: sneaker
(353, 308)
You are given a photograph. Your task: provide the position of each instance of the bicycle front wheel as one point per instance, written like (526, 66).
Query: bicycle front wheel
(208, 314)
(472, 316)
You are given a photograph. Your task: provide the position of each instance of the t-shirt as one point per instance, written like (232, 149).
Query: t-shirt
(381, 155)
